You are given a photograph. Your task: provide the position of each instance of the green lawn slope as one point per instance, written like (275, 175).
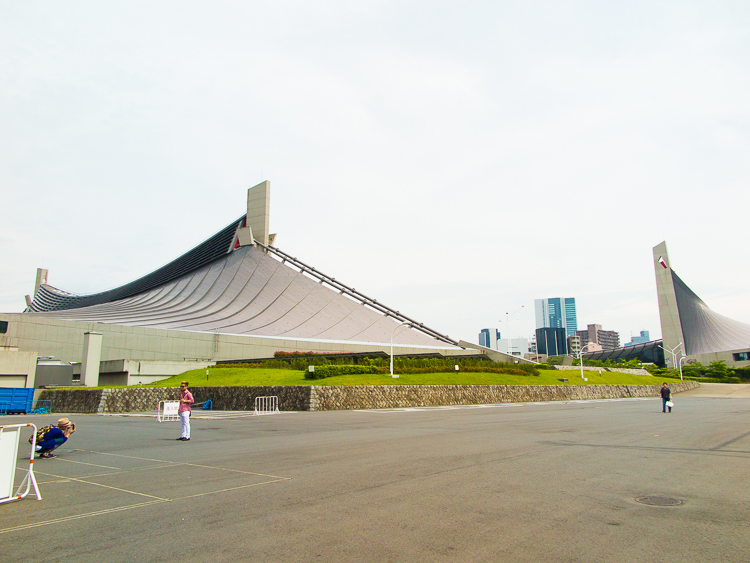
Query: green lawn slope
(259, 376)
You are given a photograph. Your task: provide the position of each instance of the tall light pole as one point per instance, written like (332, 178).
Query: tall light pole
(507, 322)
(392, 333)
(674, 354)
(683, 358)
(580, 356)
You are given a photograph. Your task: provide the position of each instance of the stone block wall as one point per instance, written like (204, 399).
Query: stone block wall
(323, 398)
(84, 400)
(395, 396)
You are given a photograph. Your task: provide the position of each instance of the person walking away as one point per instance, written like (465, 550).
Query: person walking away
(666, 396)
(54, 437)
(186, 399)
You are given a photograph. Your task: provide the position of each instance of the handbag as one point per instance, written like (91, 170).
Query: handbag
(670, 404)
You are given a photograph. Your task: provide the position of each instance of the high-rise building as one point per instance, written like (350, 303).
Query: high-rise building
(607, 339)
(551, 341)
(556, 312)
(488, 338)
(644, 337)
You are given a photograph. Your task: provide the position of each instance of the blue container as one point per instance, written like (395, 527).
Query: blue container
(16, 399)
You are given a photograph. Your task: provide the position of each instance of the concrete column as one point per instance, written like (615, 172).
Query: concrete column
(92, 353)
(258, 210)
(41, 278)
(669, 314)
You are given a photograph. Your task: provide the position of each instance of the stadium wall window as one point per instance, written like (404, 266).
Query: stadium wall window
(741, 356)
(3, 327)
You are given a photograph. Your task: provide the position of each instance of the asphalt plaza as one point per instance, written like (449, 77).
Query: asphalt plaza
(529, 482)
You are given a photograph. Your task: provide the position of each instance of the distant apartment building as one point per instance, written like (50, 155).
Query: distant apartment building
(551, 341)
(488, 338)
(556, 312)
(574, 345)
(514, 346)
(644, 337)
(607, 339)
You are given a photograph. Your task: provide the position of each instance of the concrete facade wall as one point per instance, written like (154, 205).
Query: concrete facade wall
(727, 357)
(64, 339)
(17, 368)
(320, 398)
(61, 375)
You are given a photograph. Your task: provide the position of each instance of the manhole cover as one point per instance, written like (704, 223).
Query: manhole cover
(659, 501)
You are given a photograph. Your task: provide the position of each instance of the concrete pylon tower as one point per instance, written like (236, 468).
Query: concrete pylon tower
(669, 313)
(259, 211)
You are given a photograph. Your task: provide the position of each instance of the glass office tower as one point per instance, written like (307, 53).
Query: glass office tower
(488, 338)
(557, 312)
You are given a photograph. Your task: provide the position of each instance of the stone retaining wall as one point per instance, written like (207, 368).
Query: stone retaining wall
(391, 396)
(321, 398)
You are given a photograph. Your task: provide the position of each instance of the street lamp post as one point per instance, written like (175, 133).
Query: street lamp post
(507, 322)
(683, 358)
(580, 357)
(673, 353)
(392, 333)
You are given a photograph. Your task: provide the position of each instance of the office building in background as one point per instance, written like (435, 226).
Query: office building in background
(556, 312)
(488, 338)
(551, 341)
(638, 339)
(514, 346)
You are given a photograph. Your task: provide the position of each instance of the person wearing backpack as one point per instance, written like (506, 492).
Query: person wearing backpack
(50, 438)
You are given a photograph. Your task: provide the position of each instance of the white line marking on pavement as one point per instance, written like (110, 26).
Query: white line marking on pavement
(501, 405)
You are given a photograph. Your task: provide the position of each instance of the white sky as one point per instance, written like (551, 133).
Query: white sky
(453, 160)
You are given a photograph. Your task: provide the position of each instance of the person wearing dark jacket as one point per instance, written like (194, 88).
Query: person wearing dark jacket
(666, 395)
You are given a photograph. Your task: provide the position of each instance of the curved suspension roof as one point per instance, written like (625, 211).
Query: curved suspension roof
(704, 330)
(217, 287)
(49, 298)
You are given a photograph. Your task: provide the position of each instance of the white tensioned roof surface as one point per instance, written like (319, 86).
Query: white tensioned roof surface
(249, 292)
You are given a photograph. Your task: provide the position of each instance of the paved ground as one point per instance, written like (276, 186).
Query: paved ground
(540, 482)
(720, 390)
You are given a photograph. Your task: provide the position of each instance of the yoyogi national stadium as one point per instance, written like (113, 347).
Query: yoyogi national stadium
(233, 297)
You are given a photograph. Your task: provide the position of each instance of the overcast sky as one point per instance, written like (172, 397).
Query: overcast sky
(453, 160)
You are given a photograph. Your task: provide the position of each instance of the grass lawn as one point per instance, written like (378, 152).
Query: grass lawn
(259, 376)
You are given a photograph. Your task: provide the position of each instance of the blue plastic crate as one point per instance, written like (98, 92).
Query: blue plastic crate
(17, 399)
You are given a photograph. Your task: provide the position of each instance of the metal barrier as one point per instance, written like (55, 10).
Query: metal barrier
(4, 408)
(10, 436)
(41, 407)
(168, 411)
(266, 405)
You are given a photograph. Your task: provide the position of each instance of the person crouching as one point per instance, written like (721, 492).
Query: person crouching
(54, 438)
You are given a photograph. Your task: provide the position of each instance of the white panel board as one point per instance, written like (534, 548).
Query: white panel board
(9, 438)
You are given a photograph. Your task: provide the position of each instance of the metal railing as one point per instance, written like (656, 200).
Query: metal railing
(266, 405)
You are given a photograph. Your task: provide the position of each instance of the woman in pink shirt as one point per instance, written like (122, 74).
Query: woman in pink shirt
(186, 399)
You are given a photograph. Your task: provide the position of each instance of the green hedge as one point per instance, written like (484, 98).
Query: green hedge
(322, 372)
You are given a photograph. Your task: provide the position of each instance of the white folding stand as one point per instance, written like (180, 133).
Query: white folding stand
(168, 411)
(10, 436)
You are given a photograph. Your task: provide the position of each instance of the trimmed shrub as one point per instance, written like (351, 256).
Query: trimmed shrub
(322, 372)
